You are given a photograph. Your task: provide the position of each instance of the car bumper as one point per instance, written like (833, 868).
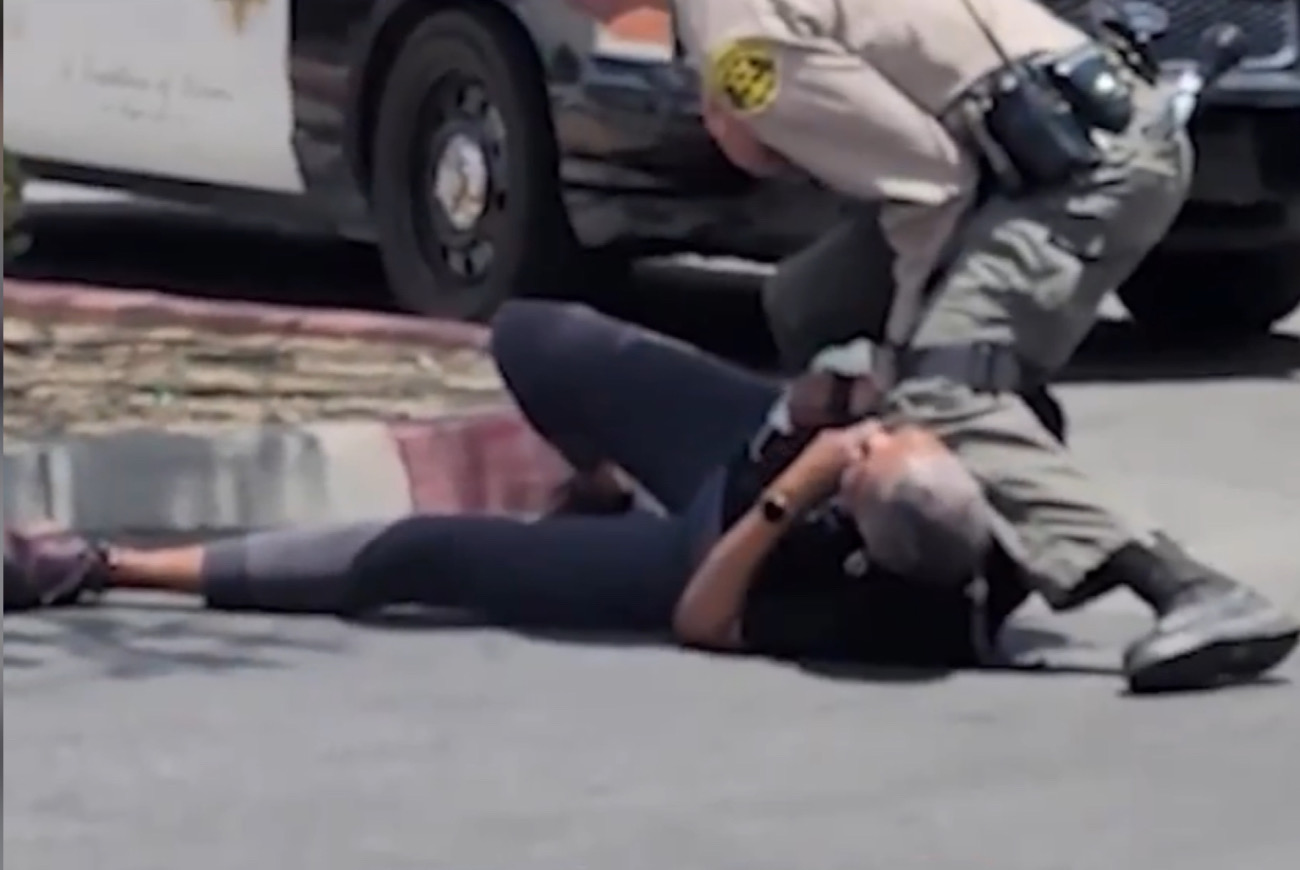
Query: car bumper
(1257, 89)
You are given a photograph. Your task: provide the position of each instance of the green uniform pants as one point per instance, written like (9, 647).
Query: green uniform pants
(1029, 273)
(838, 288)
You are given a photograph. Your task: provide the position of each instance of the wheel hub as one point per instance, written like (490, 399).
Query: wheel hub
(462, 181)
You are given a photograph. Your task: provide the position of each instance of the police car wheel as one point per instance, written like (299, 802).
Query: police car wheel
(465, 187)
(1214, 296)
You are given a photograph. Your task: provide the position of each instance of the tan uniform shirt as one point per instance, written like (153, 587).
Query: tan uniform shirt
(849, 90)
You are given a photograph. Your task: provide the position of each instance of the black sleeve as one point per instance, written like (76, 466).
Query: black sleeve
(803, 617)
(821, 612)
(748, 476)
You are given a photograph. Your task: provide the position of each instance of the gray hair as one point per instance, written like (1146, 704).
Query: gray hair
(930, 521)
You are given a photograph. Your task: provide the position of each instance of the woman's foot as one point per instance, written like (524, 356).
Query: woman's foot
(51, 568)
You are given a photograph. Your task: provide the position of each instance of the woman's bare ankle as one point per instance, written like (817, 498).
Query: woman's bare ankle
(174, 569)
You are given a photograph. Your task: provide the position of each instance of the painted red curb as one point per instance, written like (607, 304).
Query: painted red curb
(86, 304)
(484, 463)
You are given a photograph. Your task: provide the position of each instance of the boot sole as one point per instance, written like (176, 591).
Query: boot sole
(1217, 663)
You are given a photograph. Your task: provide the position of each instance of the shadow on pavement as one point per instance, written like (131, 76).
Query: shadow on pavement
(425, 619)
(109, 245)
(130, 246)
(435, 620)
(1041, 651)
(125, 246)
(1117, 352)
(142, 641)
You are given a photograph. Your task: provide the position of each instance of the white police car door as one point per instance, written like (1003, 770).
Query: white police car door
(194, 90)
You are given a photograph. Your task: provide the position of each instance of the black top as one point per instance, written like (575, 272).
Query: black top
(816, 596)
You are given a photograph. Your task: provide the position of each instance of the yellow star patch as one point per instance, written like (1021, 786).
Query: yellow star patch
(746, 75)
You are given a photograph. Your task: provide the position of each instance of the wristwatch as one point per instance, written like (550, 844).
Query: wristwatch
(774, 506)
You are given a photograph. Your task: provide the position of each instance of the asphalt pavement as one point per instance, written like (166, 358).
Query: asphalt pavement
(159, 736)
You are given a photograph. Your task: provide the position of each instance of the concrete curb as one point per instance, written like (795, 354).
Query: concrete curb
(214, 482)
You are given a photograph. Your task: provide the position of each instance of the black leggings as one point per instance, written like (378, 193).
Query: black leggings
(599, 390)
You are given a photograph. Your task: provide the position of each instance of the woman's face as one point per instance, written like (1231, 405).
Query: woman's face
(881, 454)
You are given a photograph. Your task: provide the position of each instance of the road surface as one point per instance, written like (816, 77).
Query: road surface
(164, 738)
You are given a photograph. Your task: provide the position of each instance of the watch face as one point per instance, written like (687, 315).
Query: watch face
(856, 563)
(773, 510)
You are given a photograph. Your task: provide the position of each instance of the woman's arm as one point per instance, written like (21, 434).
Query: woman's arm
(708, 612)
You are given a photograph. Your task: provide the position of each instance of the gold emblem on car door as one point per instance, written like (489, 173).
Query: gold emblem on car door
(240, 11)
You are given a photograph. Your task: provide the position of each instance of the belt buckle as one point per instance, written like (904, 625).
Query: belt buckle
(981, 368)
(994, 368)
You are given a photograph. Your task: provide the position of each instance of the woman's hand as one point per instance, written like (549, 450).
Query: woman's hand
(815, 473)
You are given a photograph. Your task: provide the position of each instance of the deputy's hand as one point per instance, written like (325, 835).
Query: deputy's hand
(810, 399)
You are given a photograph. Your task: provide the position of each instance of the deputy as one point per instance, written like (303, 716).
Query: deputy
(1021, 173)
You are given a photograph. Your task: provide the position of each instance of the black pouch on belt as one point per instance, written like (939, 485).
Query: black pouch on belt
(1038, 130)
(1097, 85)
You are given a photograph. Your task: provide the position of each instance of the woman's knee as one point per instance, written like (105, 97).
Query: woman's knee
(535, 339)
(525, 330)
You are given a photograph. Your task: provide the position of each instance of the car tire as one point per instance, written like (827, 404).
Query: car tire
(465, 185)
(1214, 296)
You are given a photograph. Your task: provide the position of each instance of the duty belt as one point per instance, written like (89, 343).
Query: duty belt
(984, 367)
(1036, 122)
(955, 116)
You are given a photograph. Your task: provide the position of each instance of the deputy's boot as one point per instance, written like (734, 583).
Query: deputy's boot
(1209, 628)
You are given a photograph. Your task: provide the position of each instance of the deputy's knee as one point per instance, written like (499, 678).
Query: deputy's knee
(1048, 410)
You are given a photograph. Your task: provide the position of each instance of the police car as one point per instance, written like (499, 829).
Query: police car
(489, 145)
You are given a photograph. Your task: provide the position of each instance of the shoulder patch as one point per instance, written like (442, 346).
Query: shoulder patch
(746, 75)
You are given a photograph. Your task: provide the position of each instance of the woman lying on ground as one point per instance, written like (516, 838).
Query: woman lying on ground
(741, 558)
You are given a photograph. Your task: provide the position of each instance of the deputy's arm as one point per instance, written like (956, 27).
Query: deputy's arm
(738, 143)
(837, 118)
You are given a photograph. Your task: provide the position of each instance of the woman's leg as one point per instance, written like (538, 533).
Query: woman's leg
(293, 570)
(604, 391)
(622, 572)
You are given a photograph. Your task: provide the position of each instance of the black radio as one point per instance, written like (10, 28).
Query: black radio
(1033, 120)
(1097, 85)
(1039, 138)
